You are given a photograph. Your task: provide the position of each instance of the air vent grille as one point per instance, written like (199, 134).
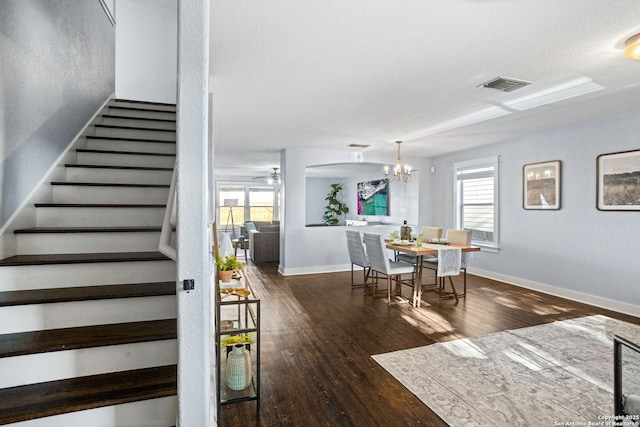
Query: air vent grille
(359, 145)
(505, 84)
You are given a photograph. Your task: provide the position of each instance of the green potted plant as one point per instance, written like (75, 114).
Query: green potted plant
(335, 207)
(227, 267)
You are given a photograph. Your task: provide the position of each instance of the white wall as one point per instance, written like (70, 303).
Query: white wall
(146, 50)
(317, 189)
(403, 199)
(57, 70)
(325, 248)
(577, 251)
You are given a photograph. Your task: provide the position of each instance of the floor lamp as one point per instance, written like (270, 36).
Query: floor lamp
(230, 203)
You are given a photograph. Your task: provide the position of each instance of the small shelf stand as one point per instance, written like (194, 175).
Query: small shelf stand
(237, 305)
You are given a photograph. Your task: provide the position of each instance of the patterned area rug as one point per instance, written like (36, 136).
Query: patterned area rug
(549, 375)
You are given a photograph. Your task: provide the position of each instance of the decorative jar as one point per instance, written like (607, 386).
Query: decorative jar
(238, 370)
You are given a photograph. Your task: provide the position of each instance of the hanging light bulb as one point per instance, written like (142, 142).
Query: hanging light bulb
(400, 172)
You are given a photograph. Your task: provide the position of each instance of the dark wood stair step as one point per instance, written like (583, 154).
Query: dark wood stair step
(97, 205)
(83, 258)
(142, 168)
(137, 153)
(71, 230)
(44, 341)
(135, 101)
(151, 119)
(107, 184)
(86, 293)
(76, 394)
(157, 110)
(134, 128)
(114, 138)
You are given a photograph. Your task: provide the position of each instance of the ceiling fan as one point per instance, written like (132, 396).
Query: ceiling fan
(273, 177)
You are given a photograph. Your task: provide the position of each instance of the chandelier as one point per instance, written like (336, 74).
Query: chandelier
(400, 173)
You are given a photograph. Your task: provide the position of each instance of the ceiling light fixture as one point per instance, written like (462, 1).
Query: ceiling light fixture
(400, 173)
(274, 177)
(632, 47)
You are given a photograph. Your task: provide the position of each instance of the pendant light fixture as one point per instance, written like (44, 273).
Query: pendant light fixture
(400, 172)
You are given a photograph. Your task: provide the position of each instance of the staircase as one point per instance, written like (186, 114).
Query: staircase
(88, 304)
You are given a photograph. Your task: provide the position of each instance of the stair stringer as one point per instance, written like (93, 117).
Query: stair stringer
(25, 215)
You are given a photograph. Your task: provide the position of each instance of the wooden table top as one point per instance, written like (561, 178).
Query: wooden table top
(431, 249)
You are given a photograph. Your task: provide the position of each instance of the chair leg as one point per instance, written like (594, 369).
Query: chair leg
(374, 287)
(365, 277)
(351, 275)
(389, 290)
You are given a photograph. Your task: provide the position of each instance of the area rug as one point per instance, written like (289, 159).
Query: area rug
(549, 375)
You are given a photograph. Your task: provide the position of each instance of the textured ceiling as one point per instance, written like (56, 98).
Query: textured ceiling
(326, 74)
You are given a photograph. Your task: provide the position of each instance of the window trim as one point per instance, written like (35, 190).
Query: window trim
(247, 188)
(494, 162)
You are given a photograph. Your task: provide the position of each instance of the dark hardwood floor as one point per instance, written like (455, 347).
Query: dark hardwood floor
(318, 336)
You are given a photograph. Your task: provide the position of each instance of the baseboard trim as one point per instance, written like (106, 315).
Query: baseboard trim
(316, 269)
(606, 303)
(609, 304)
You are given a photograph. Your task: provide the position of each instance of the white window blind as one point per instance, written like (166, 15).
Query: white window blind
(261, 204)
(240, 203)
(477, 200)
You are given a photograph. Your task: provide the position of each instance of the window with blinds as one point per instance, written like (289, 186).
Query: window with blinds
(231, 206)
(240, 203)
(477, 200)
(261, 204)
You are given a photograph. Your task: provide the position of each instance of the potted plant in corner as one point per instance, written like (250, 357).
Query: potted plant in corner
(335, 207)
(227, 267)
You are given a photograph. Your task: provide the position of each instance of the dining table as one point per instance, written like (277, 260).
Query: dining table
(420, 251)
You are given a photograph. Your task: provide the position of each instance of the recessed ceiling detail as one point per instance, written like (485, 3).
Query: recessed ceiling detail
(379, 83)
(505, 84)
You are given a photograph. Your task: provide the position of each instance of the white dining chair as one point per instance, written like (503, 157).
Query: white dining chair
(427, 233)
(358, 256)
(380, 263)
(459, 237)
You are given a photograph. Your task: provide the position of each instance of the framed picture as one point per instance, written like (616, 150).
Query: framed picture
(541, 185)
(373, 197)
(618, 181)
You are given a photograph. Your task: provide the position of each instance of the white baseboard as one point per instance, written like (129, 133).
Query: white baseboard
(594, 300)
(316, 269)
(609, 304)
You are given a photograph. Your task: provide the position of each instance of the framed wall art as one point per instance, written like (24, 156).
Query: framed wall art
(541, 185)
(373, 197)
(618, 181)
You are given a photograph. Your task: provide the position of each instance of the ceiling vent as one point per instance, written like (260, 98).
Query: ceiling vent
(505, 84)
(359, 145)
